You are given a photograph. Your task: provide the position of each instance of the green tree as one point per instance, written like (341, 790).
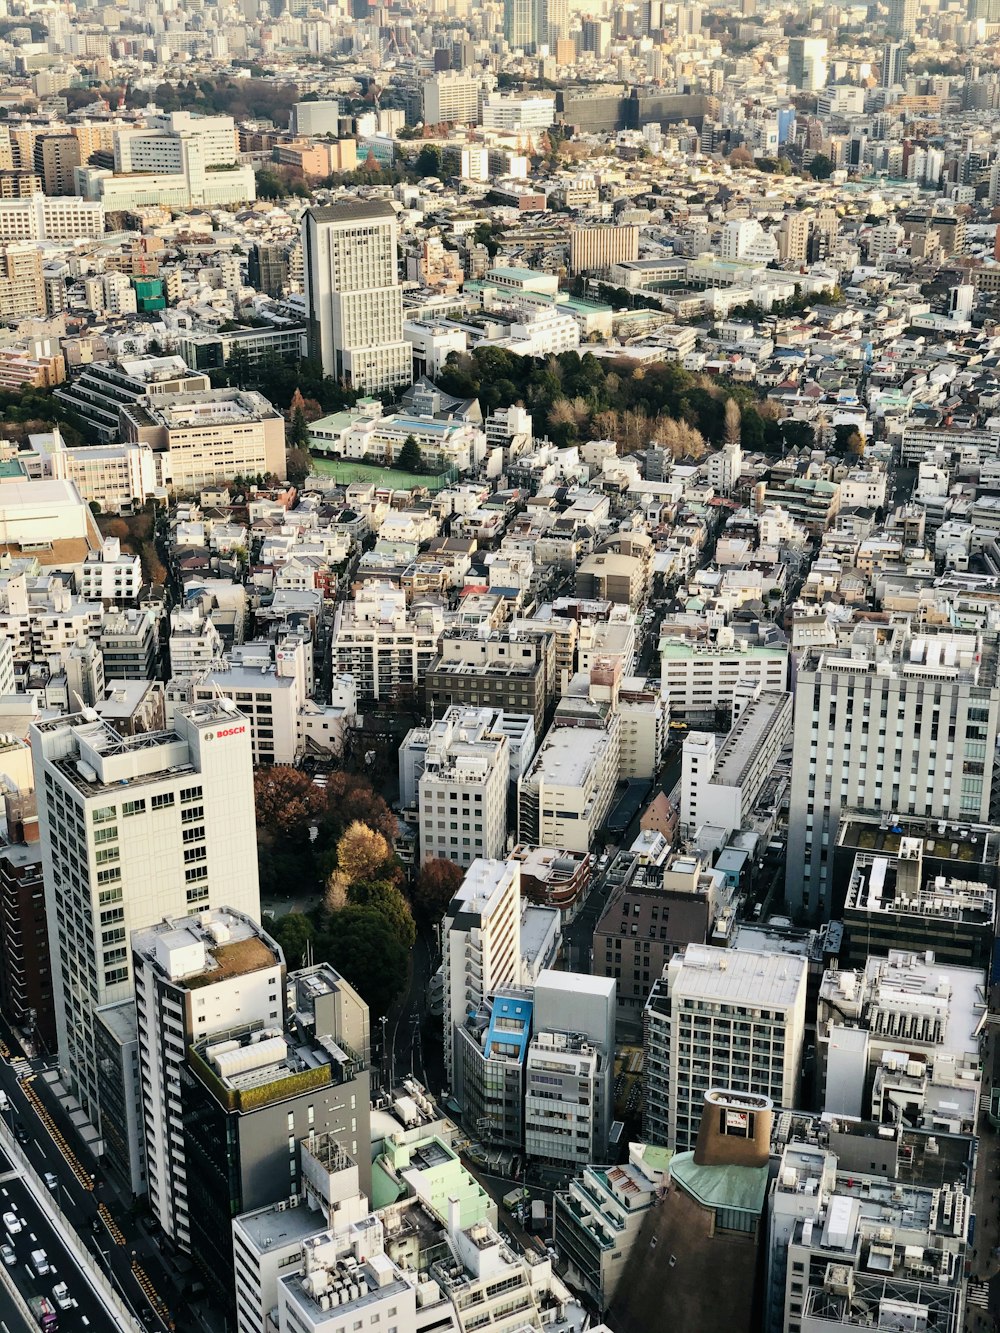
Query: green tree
(820, 168)
(428, 161)
(365, 948)
(293, 932)
(409, 456)
(298, 429)
(298, 465)
(382, 896)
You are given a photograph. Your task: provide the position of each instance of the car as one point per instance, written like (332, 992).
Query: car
(7, 1255)
(51, 1182)
(20, 1133)
(12, 1223)
(40, 1262)
(62, 1298)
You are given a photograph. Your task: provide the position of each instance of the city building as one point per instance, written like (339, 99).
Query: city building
(353, 298)
(720, 1018)
(450, 96)
(700, 677)
(510, 669)
(570, 785)
(595, 249)
(896, 720)
(160, 825)
(385, 645)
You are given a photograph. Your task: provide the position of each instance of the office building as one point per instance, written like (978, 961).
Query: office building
(893, 64)
(842, 1237)
(720, 783)
(481, 944)
(892, 903)
(129, 644)
(353, 298)
(896, 720)
(450, 97)
(119, 1092)
(897, 1042)
(267, 268)
(194, 977)
(191, 156)
(132, 829)
(521, 24)
(595, 249)
(42, 218)
(658, 903)
(250, 1096)
(700, 677)
(807, 69)
(510, 669)
(720, 1018)
(570, 785)
(458, 769)
(207, 439)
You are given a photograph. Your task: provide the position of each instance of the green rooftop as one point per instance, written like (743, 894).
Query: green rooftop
(740, 1187)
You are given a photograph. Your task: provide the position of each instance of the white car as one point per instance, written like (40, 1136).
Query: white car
(62, 1298)
(13, 1223)
(8, 1256)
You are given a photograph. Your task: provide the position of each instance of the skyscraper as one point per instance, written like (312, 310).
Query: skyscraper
(895, 721)
(353, 298)
(807, 67)
(520, 23)
(893, 66)
(132, 829)
(902, 19)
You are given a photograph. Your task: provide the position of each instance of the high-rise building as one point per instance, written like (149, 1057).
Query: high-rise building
(807, 67)
(193, 977)
(22, 282)
(451, 96)
(895, 720)
(56, 158)
(520, 23)
(720, 1018)
(593, 249)
(893, 66)
(353, 298)
(133, 829)
(267, 268)
(481, 943)
(902, 22)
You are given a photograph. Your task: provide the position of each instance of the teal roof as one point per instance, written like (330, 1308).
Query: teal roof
(742, 1187)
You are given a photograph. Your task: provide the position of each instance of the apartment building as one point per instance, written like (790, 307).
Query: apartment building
(386, 646)
(595, 249)
(132, 829)
(353, 298)
(129, 644)
(22, 285)
(895, 720)
(481, 944)
(56, 158)
(99, 392)
(720, 1018)
(195, 643)
(25, 967)
(700, 677)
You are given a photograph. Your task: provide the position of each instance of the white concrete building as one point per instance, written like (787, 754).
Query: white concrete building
(194, 977)
(720, 782)
(110, 576)
(449, 96)
(896, 720)
(480, 937)
(133, 829)
(195, 643)
(723, 468)
(720, 1018)
(700, 677)
(353, 297)
(386, 646)
(568, 789)
(56, 218)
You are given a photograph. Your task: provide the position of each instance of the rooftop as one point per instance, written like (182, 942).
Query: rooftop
(732, 976)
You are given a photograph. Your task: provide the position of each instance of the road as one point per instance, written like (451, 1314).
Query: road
(150, 1290)
(404, 1027)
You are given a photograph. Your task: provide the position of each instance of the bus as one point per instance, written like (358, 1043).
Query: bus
(45, 1315)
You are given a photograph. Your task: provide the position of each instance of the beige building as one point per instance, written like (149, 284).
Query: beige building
(568, 790)
(56, 158)
(201, 439)
(594, 249)
(22, 287)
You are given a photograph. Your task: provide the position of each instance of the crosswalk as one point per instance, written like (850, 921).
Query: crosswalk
(21, 1067)
(978, 1295)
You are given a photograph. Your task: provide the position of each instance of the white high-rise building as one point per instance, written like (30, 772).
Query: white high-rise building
(133, 829)
(194, 977)
(725, 1018)
(353, 297)
(481, 939)
(896, 720)
(450, 96)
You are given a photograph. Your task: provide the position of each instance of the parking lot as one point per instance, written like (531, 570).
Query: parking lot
(36, 1234)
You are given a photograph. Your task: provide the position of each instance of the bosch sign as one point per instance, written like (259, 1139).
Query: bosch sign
(229, 731)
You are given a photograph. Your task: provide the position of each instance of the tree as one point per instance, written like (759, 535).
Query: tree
(797, 434)
(436, 885)
(350, 797)
(732, 428)
(293, 932)
(298, 465)
(821, 168)
(335, 893)
(428, 161)
(409, 456)
(741, 157)
(363, 946)
(287, 801)
(382, 896)
(298, 430)
(361, 853)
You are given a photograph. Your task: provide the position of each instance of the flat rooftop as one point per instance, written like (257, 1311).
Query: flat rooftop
(744, 741)
(733, 977)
